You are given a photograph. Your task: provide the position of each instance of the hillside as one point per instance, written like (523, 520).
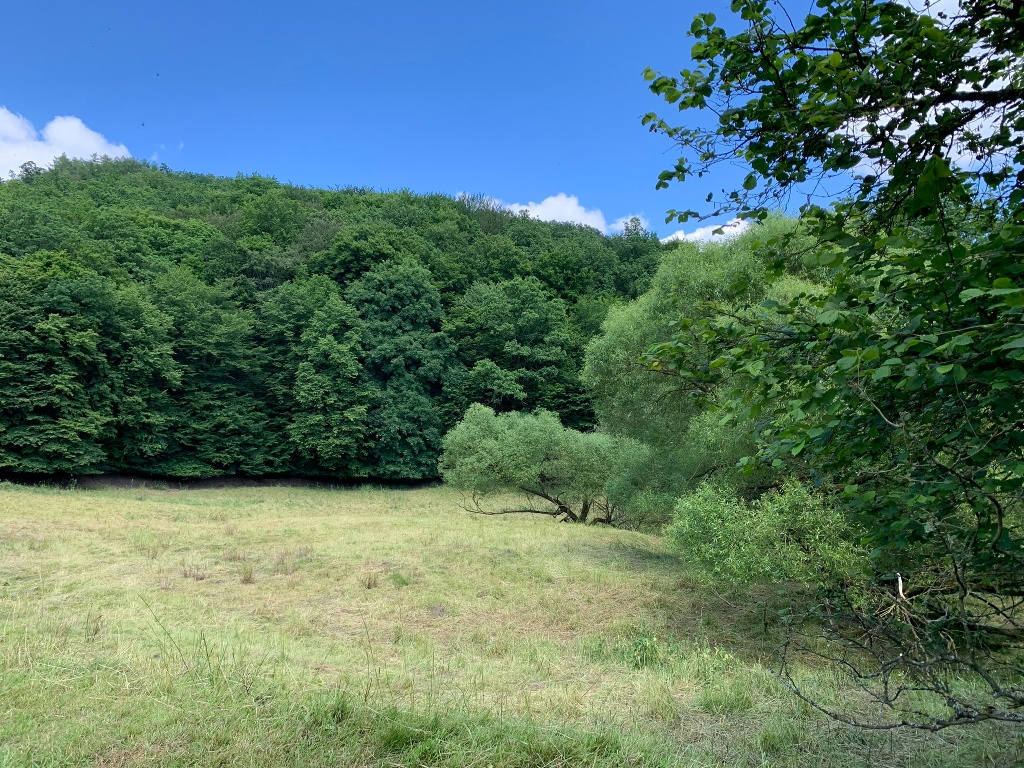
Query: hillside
(191, 326)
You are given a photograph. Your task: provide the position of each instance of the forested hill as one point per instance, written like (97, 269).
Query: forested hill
(191, 326)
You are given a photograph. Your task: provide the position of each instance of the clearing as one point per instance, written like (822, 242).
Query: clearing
(296, 626)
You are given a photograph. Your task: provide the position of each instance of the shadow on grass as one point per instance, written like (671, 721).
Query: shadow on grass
(751, 622)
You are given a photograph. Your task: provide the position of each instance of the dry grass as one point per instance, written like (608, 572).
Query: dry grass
(400, 598)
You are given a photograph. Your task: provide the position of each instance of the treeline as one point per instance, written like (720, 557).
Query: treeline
(192, 326)
(661, 440)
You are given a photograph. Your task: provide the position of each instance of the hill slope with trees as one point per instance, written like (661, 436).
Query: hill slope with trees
(192, 326)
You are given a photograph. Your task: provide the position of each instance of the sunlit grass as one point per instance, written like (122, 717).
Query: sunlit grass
(382, 627)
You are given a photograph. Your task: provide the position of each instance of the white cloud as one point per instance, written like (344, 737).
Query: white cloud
(20, 142)
(567, 208)
(711, 232)
(562, 207)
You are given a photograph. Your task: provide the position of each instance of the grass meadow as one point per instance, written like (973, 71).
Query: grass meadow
(304, 627)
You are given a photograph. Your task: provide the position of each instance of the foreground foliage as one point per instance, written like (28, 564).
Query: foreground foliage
(898, 387)
(785, 535)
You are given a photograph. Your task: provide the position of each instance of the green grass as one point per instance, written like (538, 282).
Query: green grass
(284, 626)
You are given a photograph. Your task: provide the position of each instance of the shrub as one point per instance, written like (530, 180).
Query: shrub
(787, 534)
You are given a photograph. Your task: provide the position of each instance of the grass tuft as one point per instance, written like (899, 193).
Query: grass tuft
(399, 579)
(247, 575)
(195, 570)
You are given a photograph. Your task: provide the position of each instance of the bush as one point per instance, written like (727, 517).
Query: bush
(787, 534)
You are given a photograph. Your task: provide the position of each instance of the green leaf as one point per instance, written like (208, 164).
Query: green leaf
(1014, 300)
(828, 317)
(1017, 343)
(829, 259)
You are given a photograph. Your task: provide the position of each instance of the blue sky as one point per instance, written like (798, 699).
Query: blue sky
(519, 101)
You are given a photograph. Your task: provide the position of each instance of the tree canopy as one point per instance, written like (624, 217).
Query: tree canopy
(535, 456)
(193, 326)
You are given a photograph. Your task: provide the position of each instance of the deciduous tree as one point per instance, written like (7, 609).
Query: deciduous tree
(901, 384)
(534, 455)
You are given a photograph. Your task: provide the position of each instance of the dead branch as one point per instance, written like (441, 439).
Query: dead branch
(548, 512)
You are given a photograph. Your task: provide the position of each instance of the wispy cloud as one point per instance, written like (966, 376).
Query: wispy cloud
(21, 143)
(567, 208)
(711, 232)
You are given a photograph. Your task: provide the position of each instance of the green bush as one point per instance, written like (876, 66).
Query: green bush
(787, 534)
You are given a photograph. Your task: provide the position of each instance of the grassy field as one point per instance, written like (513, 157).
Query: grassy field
(286, 626)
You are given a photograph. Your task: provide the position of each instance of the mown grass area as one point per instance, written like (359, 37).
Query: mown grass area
(285, 626)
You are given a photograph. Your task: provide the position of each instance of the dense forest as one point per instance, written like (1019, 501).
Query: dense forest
(189, 326)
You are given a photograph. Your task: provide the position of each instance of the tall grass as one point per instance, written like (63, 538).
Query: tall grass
(383, 628)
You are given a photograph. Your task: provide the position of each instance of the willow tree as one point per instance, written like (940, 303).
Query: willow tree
(490, 453)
